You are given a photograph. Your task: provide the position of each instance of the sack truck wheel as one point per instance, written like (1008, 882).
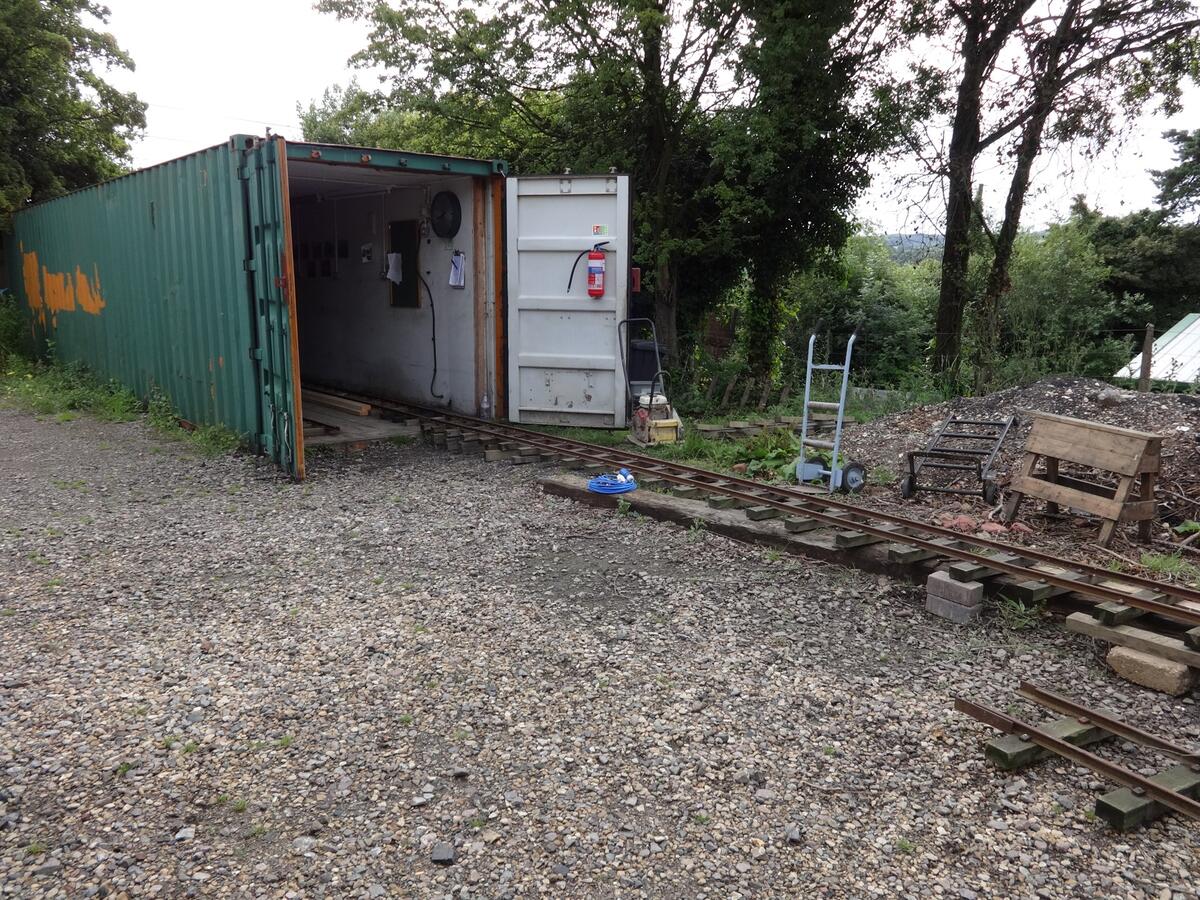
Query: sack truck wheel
(990, 493)
(906, 487)
(854, 476)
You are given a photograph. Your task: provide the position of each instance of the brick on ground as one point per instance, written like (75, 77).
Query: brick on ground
(948, 609)
(963, 593)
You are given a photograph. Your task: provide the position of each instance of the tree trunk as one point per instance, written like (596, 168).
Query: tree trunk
(956, 253)
(1030, 145)
(666, 312)
(988, 328)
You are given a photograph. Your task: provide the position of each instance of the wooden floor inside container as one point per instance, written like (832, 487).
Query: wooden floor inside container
(352, 429)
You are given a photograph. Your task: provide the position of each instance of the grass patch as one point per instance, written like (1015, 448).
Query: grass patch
(1172, 565)
(881, 476)
(239, 806)
(36, 848)
(1017, 615)
(65, 391)
(904, 845)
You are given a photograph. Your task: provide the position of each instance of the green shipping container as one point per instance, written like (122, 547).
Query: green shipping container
(174, 279)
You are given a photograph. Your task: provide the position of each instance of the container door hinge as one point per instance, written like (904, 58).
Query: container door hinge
(250, 264)
(243, 172)
(256, 353)
(262, 440)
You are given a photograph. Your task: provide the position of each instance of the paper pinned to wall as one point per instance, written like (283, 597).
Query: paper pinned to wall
(458, 269)
(393, 268)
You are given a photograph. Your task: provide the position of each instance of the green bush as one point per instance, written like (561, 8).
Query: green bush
(1058, 317)
(14, 330)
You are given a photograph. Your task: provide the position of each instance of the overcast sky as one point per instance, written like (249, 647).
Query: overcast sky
(224, 67)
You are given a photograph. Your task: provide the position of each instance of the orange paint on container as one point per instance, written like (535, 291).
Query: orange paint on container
(49, 293)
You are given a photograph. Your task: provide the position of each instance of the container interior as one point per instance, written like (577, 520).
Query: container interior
(373, 277)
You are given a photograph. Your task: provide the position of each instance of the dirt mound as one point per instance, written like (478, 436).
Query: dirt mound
(884, 442)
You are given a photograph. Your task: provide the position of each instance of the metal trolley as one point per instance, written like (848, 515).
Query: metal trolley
(964, 446)
(848, 478)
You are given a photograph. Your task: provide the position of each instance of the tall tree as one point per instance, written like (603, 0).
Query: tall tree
(795, 157)
(659, 88)
(1031, 74)
(62, 126)
(1179, 186)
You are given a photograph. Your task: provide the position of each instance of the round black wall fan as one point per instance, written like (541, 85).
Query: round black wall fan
(446, 214)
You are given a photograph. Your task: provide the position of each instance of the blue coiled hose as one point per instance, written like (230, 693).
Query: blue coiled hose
(611, 484)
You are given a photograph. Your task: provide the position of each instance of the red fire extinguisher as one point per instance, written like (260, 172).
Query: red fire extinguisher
(595, 272)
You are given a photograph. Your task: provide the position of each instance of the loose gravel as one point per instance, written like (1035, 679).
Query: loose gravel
(417, 675)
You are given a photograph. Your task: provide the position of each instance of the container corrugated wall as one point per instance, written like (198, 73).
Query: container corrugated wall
(143, 280)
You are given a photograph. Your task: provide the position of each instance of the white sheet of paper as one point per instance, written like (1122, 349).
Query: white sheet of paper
(393, 270)
(458, 270)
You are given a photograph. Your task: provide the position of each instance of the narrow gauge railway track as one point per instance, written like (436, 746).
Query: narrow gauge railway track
(1017, 561)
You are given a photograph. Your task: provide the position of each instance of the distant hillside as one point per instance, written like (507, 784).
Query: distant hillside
(914, 247)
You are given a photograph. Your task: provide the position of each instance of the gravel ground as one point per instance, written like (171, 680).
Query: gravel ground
(214, 682)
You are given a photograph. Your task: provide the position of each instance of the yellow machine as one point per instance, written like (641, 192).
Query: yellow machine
(654, 421)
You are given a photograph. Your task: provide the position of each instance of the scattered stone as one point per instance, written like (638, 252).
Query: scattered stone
(443, 853)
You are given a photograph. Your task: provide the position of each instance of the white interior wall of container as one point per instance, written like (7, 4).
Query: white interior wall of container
(350, 335)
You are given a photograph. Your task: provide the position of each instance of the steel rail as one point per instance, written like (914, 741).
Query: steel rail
(633, 460)
(1114, 772)
(1068, 707)
(796, 503)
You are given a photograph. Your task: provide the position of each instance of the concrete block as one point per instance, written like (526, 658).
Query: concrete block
(1124, 810)
(906, 554)
(1028, 591)
(1150, 671)
(1191, 637)
(495, 455)
(1010, 752)
(849, 539)
(758, 513)
(1111, 613)
(799, 524)
(964, 593)
(968, 571)
(720, 501)
(687, 493)
(948, 609)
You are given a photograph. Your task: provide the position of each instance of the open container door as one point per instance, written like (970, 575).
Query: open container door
(564, 363)
(270, 267)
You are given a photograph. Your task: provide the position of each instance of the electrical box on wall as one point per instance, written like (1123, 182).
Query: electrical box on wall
(404, 238)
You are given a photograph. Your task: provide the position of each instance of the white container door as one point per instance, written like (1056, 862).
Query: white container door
(564, 366)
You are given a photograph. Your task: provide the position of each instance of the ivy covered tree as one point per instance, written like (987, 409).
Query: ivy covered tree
(62, 126)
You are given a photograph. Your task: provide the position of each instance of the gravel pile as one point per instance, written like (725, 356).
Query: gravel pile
(417, 675)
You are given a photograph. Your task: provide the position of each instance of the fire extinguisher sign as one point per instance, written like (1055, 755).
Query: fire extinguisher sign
(599, 229)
